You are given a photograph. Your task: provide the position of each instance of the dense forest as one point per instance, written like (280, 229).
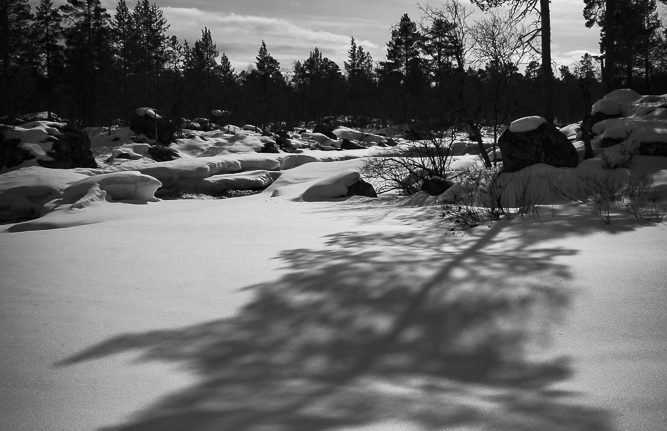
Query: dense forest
(94, 66)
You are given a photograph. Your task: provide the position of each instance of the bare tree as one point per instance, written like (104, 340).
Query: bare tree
(499, 41)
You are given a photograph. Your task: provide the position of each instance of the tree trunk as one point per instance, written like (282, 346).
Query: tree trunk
(609, 70)
(547, 72)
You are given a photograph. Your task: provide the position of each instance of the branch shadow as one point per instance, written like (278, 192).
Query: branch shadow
(421, 327)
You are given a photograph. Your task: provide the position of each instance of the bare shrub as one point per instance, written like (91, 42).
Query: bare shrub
(406, 168)
(641, 201)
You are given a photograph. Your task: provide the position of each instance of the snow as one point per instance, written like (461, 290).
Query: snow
(120, 186)
(609, 107)
(526, 124)
(241, 181)
(355, 135)
(301, 308)
(316, 181)
(228, 313)
(24, 192)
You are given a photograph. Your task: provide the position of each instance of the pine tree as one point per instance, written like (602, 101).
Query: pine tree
(15, 18)
(403, 50)
(88, 53)
(47, 32)
(404, 72)
(124, 37)
(152, 41)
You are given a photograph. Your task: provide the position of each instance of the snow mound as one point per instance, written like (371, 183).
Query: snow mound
(361, 137)
(526, 124)
(609, 107)
(24, 192)
(322, 139)
(316, 181)
(240, 181)
(120, 186)
(624, 97)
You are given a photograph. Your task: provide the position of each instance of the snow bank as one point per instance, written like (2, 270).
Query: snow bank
(240, 181)
(355, 135)
(316, 181)
(24, 192)
(526, 124)
(120, 186)
(322, 139)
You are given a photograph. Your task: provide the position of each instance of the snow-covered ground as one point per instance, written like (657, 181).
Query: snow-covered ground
(299, 308)
(275, 312)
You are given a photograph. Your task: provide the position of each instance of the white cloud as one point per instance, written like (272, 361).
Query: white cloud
(240, 36)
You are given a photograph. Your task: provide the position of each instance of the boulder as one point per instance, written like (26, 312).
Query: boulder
(147, 122)
(544, 144)
(269, 147)
(326, 130)
(435, 186)
(71, 149)
(160, 153)
(11, 153)
(349, 145)
(284, 143)
(361, 188)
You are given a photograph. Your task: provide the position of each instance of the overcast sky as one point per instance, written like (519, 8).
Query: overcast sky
(292, 28)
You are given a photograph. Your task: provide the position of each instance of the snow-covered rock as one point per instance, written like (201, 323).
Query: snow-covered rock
(239, 181)
(23, 192)
(362, 138)
(526, 124)
(119, 186)
(316, 181)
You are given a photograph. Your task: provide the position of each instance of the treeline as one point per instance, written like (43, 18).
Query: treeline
(94, 66)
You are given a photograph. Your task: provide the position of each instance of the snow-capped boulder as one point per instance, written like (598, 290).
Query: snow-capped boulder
(120, 186)
(146, 121)
(362, 188)
(364, 139)
(643, 128)
(52, 144)
(526, 124)
(544, 144)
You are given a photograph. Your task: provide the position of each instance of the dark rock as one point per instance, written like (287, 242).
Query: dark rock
(362, 188)
(160, 153)
(11, 154)
(122, 155)
(653, 149)
(349, 145)
(326, 130)
(147, 122)
(435, 186)
(191, 125)
(70, 150)
(284, 144)
(269, 147)
(546, 144)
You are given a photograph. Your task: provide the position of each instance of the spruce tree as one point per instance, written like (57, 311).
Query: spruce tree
(47, 32)
(88, 54)
(15, 19)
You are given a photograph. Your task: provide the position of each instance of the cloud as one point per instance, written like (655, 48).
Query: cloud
(240, 36)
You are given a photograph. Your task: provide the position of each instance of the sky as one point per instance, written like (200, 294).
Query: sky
(293, 28)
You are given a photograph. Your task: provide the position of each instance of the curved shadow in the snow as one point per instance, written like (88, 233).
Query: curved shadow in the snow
(396, 328)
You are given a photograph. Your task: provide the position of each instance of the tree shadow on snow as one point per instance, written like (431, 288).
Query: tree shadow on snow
(422, 328)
